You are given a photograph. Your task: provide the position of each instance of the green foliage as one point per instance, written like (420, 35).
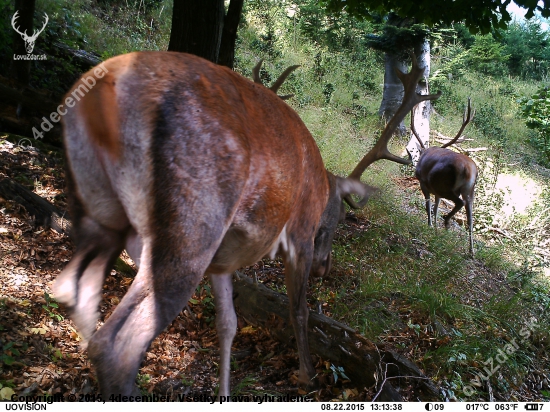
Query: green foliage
(454, 65)
(478, 16)
(142, 381)
(242, 387)
(9, 354)
(528, 46)
(396, 39)
(392, 274)
(209, 308)
(338, 372)
(51, 308)
(489, 122)
(328, 89)
(55, 353)
(464, 36)
(487, 56)
(536, 111)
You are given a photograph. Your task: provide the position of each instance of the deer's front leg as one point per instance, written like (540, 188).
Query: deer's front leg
(296, 275)
(226, 325)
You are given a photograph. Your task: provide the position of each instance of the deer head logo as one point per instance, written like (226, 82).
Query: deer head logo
(29, 40)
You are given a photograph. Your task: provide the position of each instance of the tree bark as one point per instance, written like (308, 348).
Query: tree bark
(363, 362)
(20, 69)
(197, 27)
(229, 35)
(424, 109)
(45, 214)
(392, 95)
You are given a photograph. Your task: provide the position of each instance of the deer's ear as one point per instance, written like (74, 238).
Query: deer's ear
(348, 187)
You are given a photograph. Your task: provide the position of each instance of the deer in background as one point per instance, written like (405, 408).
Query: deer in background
(448, 175)
(196, 171)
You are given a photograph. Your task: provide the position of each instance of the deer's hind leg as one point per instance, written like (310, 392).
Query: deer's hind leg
(79, 285)
(458, 205)
(427, 199)
(469, 204)
(164, 283)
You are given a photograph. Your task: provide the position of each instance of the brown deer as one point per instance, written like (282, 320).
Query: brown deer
(448, 175)
(195, 170)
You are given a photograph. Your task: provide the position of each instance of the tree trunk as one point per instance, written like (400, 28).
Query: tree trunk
(20, 69)
(393, 88)
(229, 36)
(197, 27)
(45, 214)
(424, 109)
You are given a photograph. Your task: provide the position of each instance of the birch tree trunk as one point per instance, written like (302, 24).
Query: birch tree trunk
(423, 110)
(393, 88)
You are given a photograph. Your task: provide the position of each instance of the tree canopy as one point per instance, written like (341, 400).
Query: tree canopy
(477, 15)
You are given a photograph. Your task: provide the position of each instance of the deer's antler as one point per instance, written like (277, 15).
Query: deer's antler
(466, 118)
(275, 87)
(410, 99)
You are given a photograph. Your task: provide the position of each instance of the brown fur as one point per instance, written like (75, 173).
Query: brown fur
(448, 175)
(206, 172)
(103, 125)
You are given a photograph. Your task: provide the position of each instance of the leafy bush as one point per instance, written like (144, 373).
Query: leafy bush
(489, 122)
(536, 111)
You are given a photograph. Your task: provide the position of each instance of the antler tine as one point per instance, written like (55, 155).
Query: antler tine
(466, 118)
(286, 96)
(13, 20)
(413, 130)
(410, 100)
(282, 78)
(278, 82)
(36, 33)
(256, 72)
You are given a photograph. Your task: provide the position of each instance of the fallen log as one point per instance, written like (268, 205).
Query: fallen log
(45, 214)
(29, 98)
(86, 59)
(363, 362)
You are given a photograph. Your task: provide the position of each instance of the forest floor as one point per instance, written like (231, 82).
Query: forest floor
(42, 353)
